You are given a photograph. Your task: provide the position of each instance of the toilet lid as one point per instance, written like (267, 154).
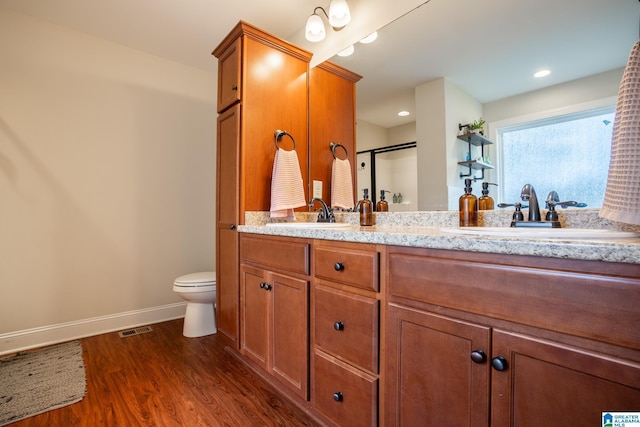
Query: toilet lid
(197, 279)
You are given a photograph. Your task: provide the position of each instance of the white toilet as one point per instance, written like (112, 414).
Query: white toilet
(199, 290)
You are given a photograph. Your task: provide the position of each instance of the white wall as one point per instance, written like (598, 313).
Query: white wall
(554, 98)
(107, 176)
(431, 137)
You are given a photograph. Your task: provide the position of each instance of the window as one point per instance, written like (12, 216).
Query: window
(569, 154)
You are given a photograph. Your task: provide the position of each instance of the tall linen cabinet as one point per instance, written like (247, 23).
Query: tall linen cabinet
(262, 87)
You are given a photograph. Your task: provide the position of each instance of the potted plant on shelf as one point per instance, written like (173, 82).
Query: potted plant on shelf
(477, 126)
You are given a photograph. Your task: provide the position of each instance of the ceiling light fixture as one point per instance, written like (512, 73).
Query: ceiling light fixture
(403, 113)
(347, 52)
(339, 16)
(370, 38)
(542, 73)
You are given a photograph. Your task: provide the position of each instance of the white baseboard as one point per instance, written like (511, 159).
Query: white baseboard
(52, 334)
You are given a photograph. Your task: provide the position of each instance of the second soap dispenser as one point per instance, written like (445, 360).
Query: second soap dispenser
(485, 202)
(382, 205)
(468, 204)
(366, 209)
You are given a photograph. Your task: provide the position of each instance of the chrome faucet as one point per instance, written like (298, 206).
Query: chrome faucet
(529, 194)
(534, 220)
(326, 214)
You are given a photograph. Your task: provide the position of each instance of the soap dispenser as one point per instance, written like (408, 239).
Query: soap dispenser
(366, 209)
(468, 204)
(382, 205)
(485, 202)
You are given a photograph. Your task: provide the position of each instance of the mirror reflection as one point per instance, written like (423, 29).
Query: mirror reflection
(451, 62)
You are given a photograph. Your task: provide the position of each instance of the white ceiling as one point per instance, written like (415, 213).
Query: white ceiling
(489, 48)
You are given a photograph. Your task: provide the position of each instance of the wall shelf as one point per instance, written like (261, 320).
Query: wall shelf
(476, 165)
(476, 140)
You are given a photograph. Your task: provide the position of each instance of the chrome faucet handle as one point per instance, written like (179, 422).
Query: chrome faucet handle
(552, 199)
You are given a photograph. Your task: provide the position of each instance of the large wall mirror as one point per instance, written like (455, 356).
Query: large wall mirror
(488, 51)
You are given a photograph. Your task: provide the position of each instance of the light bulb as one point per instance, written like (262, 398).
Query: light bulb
(314, 31)
(339, 14)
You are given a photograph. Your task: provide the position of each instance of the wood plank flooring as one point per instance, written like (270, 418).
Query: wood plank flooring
(161, 378)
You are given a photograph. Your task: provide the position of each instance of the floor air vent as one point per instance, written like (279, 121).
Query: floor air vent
(135, 331)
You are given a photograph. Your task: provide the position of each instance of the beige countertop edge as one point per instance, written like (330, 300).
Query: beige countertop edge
(621, 250)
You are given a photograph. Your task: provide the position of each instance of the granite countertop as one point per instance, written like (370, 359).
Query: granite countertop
(433, 230)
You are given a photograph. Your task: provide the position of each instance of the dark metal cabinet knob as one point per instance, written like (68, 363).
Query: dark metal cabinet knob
(338, 266)
(337, 396)
(478, 356)
(499, 363)
(234, 87)
(338, 326)
(232, 227)
(265, 286)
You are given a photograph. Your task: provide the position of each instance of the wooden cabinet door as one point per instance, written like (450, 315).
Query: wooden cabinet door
(229, 89)
(430, 377)
(227, 218)
(254, 312)
(546, 383)
(332, 112)
(227, 288)
(290, 337)
(227, 174)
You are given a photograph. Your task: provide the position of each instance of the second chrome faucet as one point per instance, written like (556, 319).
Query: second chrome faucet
(326, 214)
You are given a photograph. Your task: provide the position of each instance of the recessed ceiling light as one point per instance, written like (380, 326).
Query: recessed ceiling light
(403, 113)
(542, 73)
(370, 38)
(348, 51)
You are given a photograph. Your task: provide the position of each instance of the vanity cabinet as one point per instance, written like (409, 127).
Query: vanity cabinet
(262, 87)
(345, 324)
(274, 308)
(332, 108)
(474, 339)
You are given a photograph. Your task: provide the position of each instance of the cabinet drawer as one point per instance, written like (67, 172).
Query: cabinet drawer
(347, 265)
(275, 253)
(345, 395)
(564, 297)
(346, 325)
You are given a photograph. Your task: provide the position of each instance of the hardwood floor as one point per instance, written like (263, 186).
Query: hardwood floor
(161, 378)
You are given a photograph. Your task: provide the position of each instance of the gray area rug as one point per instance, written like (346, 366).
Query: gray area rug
(37, 381)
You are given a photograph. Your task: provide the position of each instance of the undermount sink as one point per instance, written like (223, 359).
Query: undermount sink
(544, 233)
(310, 225)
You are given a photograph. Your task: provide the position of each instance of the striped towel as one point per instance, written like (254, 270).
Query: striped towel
(341, 185)
(287, 189)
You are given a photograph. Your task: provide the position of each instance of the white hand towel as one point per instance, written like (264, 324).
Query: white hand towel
(341, 184)
(287, 189)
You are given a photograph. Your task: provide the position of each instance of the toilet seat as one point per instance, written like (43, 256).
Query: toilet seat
(196, 280)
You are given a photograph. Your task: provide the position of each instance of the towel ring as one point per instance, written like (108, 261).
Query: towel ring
(279, 134)
(334, 146)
